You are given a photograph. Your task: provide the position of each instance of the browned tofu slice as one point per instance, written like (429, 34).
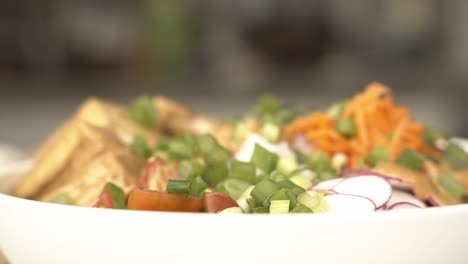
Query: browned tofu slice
(97, 126)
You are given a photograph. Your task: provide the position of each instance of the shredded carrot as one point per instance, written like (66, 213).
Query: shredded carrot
(378, 120)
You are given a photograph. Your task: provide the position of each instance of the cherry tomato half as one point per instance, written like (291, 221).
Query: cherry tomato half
(160, 201)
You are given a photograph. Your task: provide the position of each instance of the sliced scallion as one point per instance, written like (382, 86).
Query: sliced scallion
(346, 127)
(215, 173)
(180, 149)
(314, 201)
(264, 159)
(197, 186)
(235, 188)
(301, 182)
(117, 194)
(189, 169)
(139, 147)
(264, 189)
(299, 208)
(450, 185)
(178, 186)
(279, 206)
(410, 159)
(143, 111)
(62, 198)
(271, 132)
(287, 165)
(456, 156)
(378, 154)
(335, 110)
(261, 210)
(244, 171)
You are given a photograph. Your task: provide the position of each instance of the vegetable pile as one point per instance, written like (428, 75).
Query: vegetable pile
(360, 155)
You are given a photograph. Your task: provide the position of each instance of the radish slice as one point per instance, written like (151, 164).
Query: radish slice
(377, 189)
(327, 185)
(403, 206)
(349, 204)
(404, 197)
(395, 182)
(431, 201)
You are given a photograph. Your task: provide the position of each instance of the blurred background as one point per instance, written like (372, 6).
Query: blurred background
(217, 56)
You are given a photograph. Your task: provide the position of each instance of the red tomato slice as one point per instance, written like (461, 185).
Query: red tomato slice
(159, 201)
(216, 202)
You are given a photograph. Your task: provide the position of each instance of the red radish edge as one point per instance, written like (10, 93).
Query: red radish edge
(378, 206)
(431, 201)
(395, 182)
(332, 182)
(403, 203)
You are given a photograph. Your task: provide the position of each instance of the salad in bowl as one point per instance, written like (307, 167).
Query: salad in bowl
(159, 183)
(363, 154)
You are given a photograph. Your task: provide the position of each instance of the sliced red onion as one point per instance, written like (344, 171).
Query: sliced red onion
(403, 206)
(375, 188)
(404, 197)
(349, 204)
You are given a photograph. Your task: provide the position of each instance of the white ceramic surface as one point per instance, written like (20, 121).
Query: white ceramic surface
(35, 232)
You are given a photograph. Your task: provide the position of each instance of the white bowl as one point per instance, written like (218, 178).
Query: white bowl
(36, 232)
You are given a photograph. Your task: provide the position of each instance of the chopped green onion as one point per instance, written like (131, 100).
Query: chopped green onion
(241, 131)
(287, 165)
(235, 188)
(180, 149)
(346, 127)
(299, 208)
(335, 110)
(267, 104)
(314, 201)
(139, 147)
(285, 115)
(252, 203)
(277, 176)
(297, 190)
(117, 194)
(243, 171)
(432, 137)
(62, 198)
(215, 173)
(287, 184)
(264, 189)
(217, 155)
(389, 136)
(261, 210)
(301, 157)
(410, 159)
(178, 186)
(320, 161)
(281, 194)
(242, 200)
(143, 111)
(271, 132)
(326, 175)
(378, 154)
(206, 143)
(197, 186)
(301, 182)
(264, 159)
(456, 156)
(163, 144)
(450, 185)
(189, 169)
(279, 207)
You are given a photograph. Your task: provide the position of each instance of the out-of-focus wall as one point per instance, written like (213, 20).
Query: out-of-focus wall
(217, 55)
